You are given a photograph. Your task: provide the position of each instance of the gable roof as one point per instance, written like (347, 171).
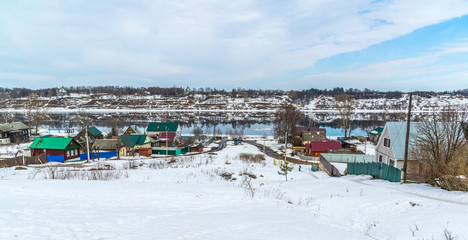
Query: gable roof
(107, 144)
(313, 136)
(94, 131)
(57, 143)
(397, 134)
(376, 131)
(162, 127)
(132, 140)
(299, 130)
(322, 146)
(13, 126)
(133, 128)
(170, 136)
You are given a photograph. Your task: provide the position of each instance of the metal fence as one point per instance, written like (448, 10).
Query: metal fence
(56, 158)
(94, 155)
(376, 170)
(330, 168)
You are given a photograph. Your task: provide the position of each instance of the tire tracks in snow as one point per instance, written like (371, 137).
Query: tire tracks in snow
(414, 194)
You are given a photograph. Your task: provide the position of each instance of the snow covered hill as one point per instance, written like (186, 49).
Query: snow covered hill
(222, 103)
(208, 197)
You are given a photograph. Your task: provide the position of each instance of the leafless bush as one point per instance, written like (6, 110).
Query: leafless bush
(273, 193)
(5, 172)
(226, 175)
(251, 158)
(247, 172)
(247, 184)
(305, 202)
(132, 165)
(62, 173)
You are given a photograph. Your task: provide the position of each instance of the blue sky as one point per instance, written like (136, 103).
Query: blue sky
(384, 45)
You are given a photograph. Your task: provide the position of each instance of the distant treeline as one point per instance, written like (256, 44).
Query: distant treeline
(300, 96)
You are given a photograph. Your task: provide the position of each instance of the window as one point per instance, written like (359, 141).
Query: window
(386, 142)
(380, 158)
(392, 162)
(68, 153)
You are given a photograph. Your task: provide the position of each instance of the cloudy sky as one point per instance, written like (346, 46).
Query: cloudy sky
(385, 45)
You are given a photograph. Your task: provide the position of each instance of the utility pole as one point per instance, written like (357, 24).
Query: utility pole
(87, 143)
(166, 142)
(285, 145)
(264, 142)
(408, 121)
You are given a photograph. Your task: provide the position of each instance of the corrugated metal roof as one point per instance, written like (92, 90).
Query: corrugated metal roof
(94, 131)
(162, 126)
(132, 140)
(343, 158)
(397, 133)
(171, 136)
(322, 146)
(53, 143)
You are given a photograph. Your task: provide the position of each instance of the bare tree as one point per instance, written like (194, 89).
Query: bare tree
(439, 145)
(197, 132)
(345, 104)
(286, 119)
(35, 112)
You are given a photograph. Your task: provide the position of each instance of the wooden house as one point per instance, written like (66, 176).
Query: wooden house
(93, 134)
(315, 148)
(55, 146)
(135, 142)
(197, 148)
(110, 145)
(131, 130)
(14, 132)
(390, 148)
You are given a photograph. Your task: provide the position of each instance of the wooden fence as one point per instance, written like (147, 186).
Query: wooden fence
(23, 161)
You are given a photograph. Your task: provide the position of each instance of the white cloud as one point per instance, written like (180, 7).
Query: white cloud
(224, 43)
(429, 71)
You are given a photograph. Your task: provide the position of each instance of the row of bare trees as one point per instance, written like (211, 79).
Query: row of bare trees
(440, 145)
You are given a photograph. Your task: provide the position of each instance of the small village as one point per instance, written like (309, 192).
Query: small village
(249, 120)
(383, 157)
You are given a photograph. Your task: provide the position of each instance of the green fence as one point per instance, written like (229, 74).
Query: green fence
(376, 170)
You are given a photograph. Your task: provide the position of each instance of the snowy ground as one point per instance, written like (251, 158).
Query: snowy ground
(190, 200)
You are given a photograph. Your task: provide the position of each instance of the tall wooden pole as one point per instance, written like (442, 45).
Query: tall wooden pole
(408, 121)
(285, 145)
(87, 143)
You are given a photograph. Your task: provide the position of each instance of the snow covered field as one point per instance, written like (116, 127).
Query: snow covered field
(188, 199)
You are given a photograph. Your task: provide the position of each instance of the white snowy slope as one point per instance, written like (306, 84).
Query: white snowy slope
(193, 202)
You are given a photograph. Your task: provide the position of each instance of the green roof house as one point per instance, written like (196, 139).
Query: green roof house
(159, 129)
(375, 134)
(133, 142)
(55, 146)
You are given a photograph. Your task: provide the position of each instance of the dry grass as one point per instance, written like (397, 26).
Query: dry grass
(252, 158)
(62, 173)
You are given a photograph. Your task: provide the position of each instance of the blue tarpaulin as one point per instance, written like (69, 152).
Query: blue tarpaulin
(58, 158)
(94, 155)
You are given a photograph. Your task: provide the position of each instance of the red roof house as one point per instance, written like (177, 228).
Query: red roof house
(170, 136)
(315, 148)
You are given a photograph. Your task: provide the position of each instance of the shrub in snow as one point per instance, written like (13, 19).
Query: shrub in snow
(284, 169)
